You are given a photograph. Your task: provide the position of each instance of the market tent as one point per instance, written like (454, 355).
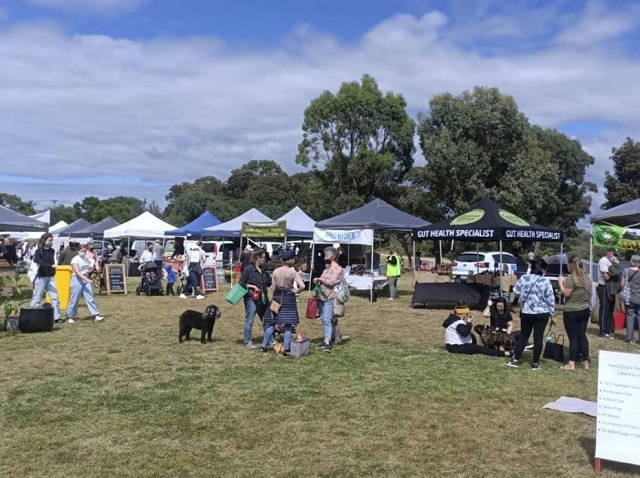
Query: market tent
(195, 227)
(58, 226)
(485, 221)
(233, 228)
(44, 216)
(299, 224)
(76, 225)
(377, 215)
(98, 228)
(14, 221)
(146, 225)
(627, 214)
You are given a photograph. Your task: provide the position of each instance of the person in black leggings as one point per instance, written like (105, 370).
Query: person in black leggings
(458, 337)
(538, 305)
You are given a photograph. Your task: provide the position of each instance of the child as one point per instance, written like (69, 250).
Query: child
(171, 277)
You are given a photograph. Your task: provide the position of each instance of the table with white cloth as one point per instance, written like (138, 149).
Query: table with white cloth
(365, 282)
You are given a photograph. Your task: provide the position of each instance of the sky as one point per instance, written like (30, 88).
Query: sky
(127, 97)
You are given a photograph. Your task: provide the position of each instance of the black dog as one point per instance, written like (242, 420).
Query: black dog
(192, 319)
(494, 339)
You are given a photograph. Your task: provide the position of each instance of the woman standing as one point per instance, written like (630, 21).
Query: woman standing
(284, 278)
(632, 305)
(331, 276)
(45, 258)
(538, 304)
(577, 288)
(81, 283)
(256, 280)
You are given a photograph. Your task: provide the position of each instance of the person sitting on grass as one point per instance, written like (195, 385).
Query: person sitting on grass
(458, 337)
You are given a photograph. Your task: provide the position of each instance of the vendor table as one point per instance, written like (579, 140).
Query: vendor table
(365, 282)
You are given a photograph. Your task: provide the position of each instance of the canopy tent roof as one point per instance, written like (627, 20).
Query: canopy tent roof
(195, 227)
(57, 227)
(44, 216)
(485, 221)
(98, 228)
(14, 221)
(146, 225)
(75, 226)
(627, 214)
(376, 215)
(233, 228)
(299, 224)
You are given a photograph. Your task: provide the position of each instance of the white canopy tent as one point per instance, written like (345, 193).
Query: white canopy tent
(146, 225)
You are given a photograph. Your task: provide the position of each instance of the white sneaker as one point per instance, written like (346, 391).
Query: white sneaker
(200, 297)
(71, 321)
(182, 296)
(98, 318)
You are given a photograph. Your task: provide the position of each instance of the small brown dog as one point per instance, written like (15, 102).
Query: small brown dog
(494, 339)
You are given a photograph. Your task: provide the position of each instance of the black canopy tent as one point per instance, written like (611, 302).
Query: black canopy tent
(486, 221)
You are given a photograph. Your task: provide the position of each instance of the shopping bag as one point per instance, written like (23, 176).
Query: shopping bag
(553, 349)
(236, 294)
(312, 311)
(341, 291)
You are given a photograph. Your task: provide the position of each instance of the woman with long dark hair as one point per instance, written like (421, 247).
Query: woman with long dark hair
(577, 288)
(256, 280)
(284, 277)
(538, 305)
(45, 258)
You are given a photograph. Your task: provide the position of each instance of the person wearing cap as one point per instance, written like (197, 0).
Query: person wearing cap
(283, 280)
(458, 337)
(605, 310)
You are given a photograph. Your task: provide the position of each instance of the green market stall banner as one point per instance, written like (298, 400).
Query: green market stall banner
(264, 229)
(606, 235)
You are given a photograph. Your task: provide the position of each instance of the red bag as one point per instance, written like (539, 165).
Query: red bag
(255, 295)
(312, 309)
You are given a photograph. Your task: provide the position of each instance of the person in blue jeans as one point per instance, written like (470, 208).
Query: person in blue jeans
(256, 280)
(45, 258)
(82, 285)
(331, 276)
(631, 281)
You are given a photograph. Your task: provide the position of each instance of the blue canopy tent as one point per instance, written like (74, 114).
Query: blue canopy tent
(195, 227)
(377, 215)
(75, 226)
(299, 224)
(97, 230)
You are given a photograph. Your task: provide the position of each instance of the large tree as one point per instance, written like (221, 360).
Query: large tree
(622, 186)
(17, 204)
(361, 141)
(120, 208)
(480, 145)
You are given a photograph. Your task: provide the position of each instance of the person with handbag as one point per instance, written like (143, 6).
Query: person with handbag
(538, 305)
(81, 283)
(256, 280)
(45, 259)
(283, 309)
(630, 295)
(331, 276)
(577, 289)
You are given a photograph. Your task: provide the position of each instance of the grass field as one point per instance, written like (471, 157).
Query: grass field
(124, 398)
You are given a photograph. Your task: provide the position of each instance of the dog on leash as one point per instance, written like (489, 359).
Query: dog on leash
(493, 338)
(204, 321)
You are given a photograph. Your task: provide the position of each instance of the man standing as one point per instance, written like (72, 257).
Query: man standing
(605, 311)
(393, 272)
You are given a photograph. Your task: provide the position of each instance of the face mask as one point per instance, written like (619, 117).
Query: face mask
(327, 261)
(261, 263)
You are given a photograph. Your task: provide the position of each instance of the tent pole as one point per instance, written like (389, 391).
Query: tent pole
(501, 266)
(373, 242)
(413, 258)
(440, 246)
(313, 258)
(591, 253)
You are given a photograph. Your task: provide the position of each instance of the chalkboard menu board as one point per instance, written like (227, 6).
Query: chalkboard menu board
(116, 278)
(209, 279)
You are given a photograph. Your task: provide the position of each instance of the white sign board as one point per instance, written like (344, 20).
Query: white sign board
(618, 422)
(347, 236)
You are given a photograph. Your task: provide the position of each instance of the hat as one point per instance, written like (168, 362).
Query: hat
(248, 248)
(288, 255)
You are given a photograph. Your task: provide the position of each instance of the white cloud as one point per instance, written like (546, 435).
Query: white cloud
(105, 6)
(171, 110)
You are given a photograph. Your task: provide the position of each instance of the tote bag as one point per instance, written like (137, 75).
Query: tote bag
(341, 291)
(236, 294)
(312, 309)
(553, 349)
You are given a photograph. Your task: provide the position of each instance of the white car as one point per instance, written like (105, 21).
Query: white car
(472, 262)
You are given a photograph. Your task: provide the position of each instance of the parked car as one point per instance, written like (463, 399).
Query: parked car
(472, 262)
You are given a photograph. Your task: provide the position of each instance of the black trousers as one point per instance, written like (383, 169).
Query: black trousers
(535, 323)
(605, 312)
(575, 323)
(170, 289)
(473, 349)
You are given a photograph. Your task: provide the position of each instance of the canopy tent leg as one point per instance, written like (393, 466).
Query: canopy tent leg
(373, 241)
(591, 253)
(441, 262)
(501, 267)
(413, 242)
(313, 258)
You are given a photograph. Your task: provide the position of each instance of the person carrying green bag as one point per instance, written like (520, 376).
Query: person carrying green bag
(256, 280)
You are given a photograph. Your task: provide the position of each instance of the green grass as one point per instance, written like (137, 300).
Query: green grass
(124, 398)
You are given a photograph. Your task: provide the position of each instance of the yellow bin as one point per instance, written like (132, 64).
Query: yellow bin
(63, 283)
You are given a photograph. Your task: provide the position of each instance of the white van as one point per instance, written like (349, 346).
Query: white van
(213, 250)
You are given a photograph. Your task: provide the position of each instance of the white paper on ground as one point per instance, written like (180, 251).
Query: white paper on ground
(573, 405)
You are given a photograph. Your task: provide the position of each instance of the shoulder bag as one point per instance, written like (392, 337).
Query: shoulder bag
(625, 295)
(553, 349)
(341, 291)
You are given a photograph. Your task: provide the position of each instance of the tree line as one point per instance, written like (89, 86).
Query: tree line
(359, 143)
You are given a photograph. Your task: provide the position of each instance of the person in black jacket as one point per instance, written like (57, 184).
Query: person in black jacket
(458, 336)
(256, 280)
(45, 279)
